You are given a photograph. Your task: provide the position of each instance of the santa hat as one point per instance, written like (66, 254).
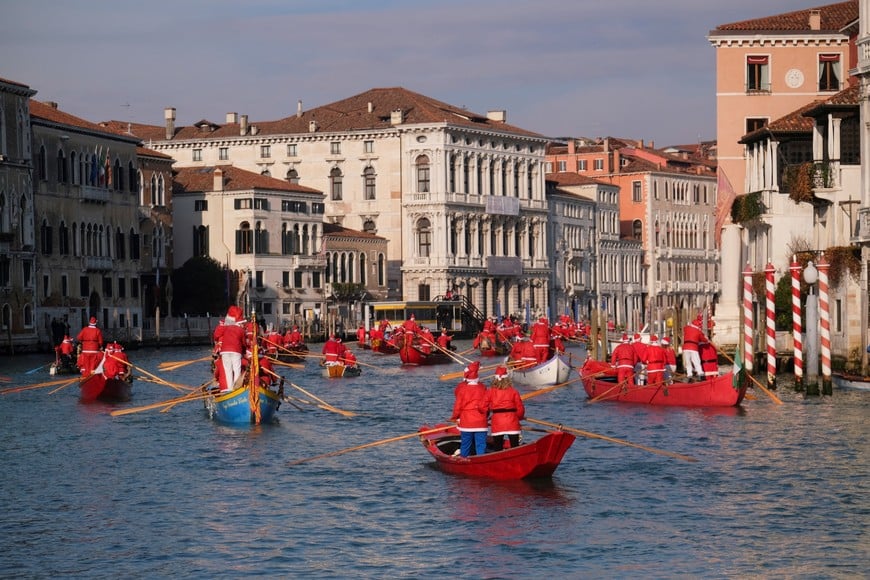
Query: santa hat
(666, 341)
(92, 321)
(636, 337)
(471, 371)
(110, 348)
(654, 339)
(500, 372)
(625, 338)
(234, 312)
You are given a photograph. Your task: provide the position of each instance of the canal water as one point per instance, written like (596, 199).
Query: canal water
(777, 490)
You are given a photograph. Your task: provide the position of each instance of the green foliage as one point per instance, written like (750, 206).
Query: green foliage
(782, 304)
(198, 287)
(842, 260)
(747, 208)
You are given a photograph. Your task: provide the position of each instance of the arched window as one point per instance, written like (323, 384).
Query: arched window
(370, 227)
(424, 237)
(362, 268)
(369, 183)
(261, 240)
(382, 270)
(132, 175)
(63, 239)
(117, 176)
(422, 165)
(74, 173)
(244, 239)
(292, 176)
(637, 229)
(45, 238)
(141, 185)
(120, 245)
(153, 189)
(335, 178)
(5, 215)
(62, 167)
(161, 201)
(200, 240)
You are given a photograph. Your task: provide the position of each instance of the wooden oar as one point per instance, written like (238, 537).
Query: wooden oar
(458, 374)
(153, 376)
(31, 371)
(171, 366)
(603, 396)
(326, 405)
(767, 391)
(453, 356)
(540, 392)
(372, 444)
(280, 363)
(63, 386)
(53, 383)
(192, 396)
(592, 435)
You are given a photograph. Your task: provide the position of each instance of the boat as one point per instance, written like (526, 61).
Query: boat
(97, 387)
(600, 384)
(65, 365)
(486, 346)
(241, 406)
(848, 381)
(383, 346)
(536, 459)
(412, 354)
(292, 354)
(553, 371)
(338, 370)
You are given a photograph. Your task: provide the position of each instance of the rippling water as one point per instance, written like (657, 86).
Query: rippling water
(778, 490)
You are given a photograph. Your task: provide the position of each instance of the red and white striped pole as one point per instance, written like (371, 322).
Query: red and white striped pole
(748, 355)
(795, 269)
(825, 324)
(770, 317)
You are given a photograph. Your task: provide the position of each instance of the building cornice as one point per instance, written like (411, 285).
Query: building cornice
(774, 40)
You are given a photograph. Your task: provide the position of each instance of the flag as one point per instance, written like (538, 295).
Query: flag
(101, 167)
(725, 196)
(108, 165)
(738, 368)
(95, 174)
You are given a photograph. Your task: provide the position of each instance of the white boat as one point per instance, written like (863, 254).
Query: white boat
(844, 381)
(550, 372)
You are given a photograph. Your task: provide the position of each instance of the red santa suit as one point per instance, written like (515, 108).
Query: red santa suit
(692, 338)
(232, 337)
(540, 336)
(655, 362)
(331, 350)
(361, 335)
(506, 406)
(91, 339)
(624, 358)
(444, 340)
(709, 359)
(470, 410)
(293, 337)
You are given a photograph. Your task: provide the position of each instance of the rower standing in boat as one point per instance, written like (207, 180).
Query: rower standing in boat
(506, 406)
(624, 358)
(470, 411)
(656, 359)
(670, 360)
(692, 337)
(232, 344)
(91, 340)
(540, 336)
(709, 359)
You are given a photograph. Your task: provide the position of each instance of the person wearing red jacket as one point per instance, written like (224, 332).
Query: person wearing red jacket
(116, 365)
(361, 335)
(624, 358)
(91, 339)
(348, 358)
(292, 337)
(670, 359)
(272, 340)
(540, 336)
(232, 339)
(332, 350)
(470, 410)
(655, 362)
(692, 338)
(444, 340)
(709, 359)
(506, 406)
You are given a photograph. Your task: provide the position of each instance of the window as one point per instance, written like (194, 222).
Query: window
(424, 292)
(200, 240)
(107, 286)
(244, 203)
(548, 167)
(261, 203)
(197, 154)
(369, 183)
(134, 288)
(424, 237)
(755, 123)
(64, 286)
(292, 176)
(5, 264)
(637, 229)
(636, 191)
(244, 239)
(599, 165)
(318, 208)
(224, 153)
(297, 279)
(335, 178)
(829, 72)
(335, 148)
(291, 150)
(265, 151)
(315, 280)
(422, 165)
(370, 227)
(369, 146)
(757, 74)
(200, 205)
(581, 165)
(563, 166)
(84, 287)
(45, 238)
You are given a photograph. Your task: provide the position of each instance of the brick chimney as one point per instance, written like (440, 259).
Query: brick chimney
(572, 147)
(169, 116)
(243, 125)
(299, 108)
(397, 117)
(232, 118)
(218, 183)
(815, 20)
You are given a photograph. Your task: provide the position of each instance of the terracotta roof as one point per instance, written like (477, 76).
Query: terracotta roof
(566, 178)
(351, 114)
(11, 82)
(199, 179)
(145, 152)
(53, 115)
(834, 17)
(794, 122)
(331, 230)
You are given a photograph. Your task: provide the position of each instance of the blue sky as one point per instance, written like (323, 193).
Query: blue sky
(629, 68)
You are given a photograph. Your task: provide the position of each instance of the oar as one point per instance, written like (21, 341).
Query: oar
(455, 357)
(31, 371)
(326, 405)
(592, 435)
(281, 363)
(603, 396)
(36, 386)
(372, 444)
(197, 397)
(153, 376)
(767, 391)
(539, 392)
(458, 374)
(63, 386)
(171, 366)
(191, 396)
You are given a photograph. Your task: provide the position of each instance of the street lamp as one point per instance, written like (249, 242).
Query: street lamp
(811, 277)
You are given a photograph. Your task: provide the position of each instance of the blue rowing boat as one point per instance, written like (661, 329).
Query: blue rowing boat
(242, 406)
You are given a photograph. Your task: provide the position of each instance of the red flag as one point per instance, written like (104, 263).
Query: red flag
(726, 196)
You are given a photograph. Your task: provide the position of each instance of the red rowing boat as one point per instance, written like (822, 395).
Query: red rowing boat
(414, 355)
(599, 381)
(536, 459)
(98, 387)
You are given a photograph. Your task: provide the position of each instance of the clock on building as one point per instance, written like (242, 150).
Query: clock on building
(794, 78)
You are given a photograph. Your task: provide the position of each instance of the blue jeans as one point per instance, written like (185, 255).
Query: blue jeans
(467, 438)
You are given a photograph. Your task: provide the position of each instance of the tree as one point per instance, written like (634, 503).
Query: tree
(199, 287)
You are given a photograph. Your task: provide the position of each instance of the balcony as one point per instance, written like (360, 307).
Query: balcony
(311, 262)
(96, 264)
(94, 194)
(862, 227)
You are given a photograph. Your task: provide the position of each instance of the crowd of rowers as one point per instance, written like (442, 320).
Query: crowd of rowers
(91, 354)
(420, 337)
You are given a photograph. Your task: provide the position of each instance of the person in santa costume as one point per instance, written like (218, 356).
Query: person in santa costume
(91, 340)
(506, 406)
(693, 336)
(470, 410)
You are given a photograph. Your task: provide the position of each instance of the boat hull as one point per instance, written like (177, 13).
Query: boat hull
(600, 384)
(537, 459)
(846, 381)
(339, 371)
(235, 408)
(97, 387)
(411, 355)
(550, 372)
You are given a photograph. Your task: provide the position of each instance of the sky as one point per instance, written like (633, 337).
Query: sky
(640, 69)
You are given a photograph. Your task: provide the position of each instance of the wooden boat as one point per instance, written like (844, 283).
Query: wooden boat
(599, 382)
(292, 354)
(412, 355)
(65, 365)
(383, 347)
(553, 371)
(847, 381)
(536, 459)
(338, 370)
(489, 347)
(235, 407)
(97, 387)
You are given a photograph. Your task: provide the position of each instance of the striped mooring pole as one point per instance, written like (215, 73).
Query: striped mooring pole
(770, 319)
(795, 269)
(825, 324)
(748, 354)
